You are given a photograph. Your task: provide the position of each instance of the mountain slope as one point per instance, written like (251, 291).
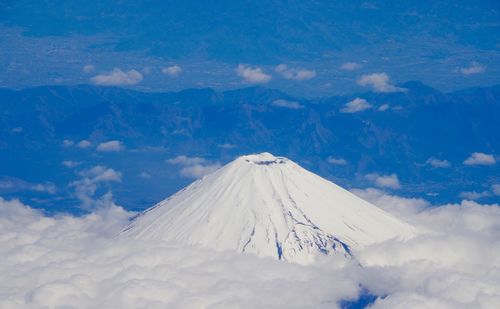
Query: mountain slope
(268, 206)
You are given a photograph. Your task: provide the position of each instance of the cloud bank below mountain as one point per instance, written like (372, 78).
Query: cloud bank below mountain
(78, 261)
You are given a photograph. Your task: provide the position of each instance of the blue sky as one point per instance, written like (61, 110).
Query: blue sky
(326, 46)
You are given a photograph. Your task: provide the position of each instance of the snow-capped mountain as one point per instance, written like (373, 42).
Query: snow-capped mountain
(269, 206)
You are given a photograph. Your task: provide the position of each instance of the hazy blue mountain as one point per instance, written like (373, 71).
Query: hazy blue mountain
(264, 30)
(417, 124)
(51, 41)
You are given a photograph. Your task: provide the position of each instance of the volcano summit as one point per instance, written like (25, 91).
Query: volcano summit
(268, 206)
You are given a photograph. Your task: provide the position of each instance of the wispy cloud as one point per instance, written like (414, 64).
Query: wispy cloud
(385, 181)
(86, 187)
(194, 167)
(287, 104)
(145, 175)
(350, 66)
(383, 107)
(227, 146)
(479, 158)
(295, 73)
(356, 105)
(84, 144)
(437, 163)
(379, 82)
(172, 71)
(70, 164)
(496, 189)
(199, 170)
(88, 68)
(474, 68)
(81, 144)
(336, 161)
(110, 146)
(68, 143)
(253, 75)
(11, 184)
(473, 195)
(185, 160)
(117, 77)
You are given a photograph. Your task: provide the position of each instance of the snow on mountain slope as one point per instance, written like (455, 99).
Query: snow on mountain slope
(269, 206)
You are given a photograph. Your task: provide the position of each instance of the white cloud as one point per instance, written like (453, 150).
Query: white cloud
(199, 170)
(172, 71)
(110, 146)
(17, 130)
(356, 105)
(67, 261)
(379, 82)
(88, 68)
(194, 167)
(442, 267)
(252, 75)
(473, 195)
(100, 173)
(350, 66)
(399, 206)
(336, 161)
(185, 160)
(91, 179)
(479, 158)
(496, 189)
(84, 144)
(81, 144)
(451, 264)
(383, 107)
(287, 104)
(117, 77)
(145, 175)
(386, 181)
(295, 74)
(474, 68)
(68, 143)
(70, 164)
(437, 163)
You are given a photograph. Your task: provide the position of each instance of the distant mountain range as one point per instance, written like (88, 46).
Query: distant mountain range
(395, 133)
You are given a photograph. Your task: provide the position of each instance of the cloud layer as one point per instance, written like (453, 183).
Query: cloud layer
(79, 262)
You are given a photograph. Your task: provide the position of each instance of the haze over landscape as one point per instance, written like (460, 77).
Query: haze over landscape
(249, 154)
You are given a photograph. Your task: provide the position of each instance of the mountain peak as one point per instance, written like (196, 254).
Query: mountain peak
(269, 206)
(264, 158)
